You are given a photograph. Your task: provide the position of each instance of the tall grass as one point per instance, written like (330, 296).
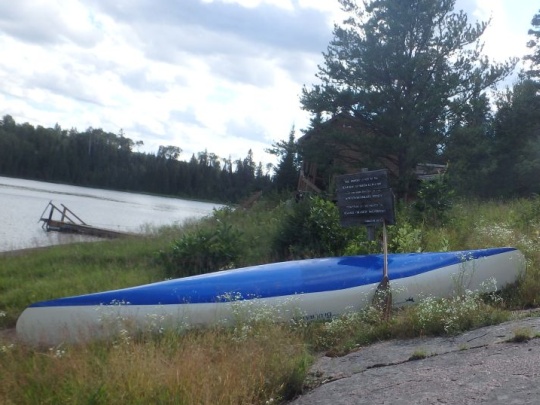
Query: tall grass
(253, 363)
(74, 269)
(208, 367)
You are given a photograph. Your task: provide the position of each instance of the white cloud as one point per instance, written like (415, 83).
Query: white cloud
(221, 75)
(47, 23)
(506, 35)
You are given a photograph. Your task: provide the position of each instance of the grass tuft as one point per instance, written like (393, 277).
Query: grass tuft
(521, 335)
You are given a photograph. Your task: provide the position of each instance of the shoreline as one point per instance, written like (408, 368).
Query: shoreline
(18, 252)
(23, 251)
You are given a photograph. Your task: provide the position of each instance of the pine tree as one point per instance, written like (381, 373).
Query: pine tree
(533, 71)
(400, 68)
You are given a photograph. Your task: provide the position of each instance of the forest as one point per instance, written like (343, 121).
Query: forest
(95, 158)
(414, 77)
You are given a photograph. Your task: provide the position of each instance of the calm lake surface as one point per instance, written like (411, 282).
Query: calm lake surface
(22, 203)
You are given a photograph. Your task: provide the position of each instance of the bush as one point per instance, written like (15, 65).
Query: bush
(405, 238)
(434, 201)
(310, 228)
(203, 250)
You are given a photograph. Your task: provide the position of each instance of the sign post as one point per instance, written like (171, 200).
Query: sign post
(364, 199)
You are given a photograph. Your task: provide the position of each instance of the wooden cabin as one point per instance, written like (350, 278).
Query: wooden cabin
(342, 145)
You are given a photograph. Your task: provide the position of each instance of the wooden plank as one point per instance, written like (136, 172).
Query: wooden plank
(66, 224)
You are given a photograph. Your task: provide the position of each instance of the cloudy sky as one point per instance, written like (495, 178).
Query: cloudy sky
(217, 75)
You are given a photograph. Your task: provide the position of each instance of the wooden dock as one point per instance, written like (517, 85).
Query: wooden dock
(71, 223)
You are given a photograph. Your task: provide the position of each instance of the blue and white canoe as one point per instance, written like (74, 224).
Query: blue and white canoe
(311, 289)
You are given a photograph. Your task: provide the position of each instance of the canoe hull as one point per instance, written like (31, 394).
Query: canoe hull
(314, 289)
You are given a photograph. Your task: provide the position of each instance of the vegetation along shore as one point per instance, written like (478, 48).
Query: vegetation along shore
(257, 361)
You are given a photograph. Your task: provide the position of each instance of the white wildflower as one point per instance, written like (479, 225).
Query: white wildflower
(7, 348)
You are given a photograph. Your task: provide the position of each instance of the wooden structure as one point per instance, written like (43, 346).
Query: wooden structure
(338, 155)
(71, 223)
(251, 200)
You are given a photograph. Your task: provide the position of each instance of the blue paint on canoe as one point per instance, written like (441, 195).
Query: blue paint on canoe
(276, 279)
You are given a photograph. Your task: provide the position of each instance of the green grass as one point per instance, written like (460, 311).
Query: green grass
(522, 335)
(419, 354)
(74, 269)
(255, 362)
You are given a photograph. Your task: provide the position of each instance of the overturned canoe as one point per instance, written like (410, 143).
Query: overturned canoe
(311, 289)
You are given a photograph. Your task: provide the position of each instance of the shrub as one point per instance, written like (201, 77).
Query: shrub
(203, 250)
(434, 201)
(360, 245)
(405, 238)
(310, 228)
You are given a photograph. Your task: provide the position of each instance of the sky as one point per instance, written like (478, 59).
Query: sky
(223, 76)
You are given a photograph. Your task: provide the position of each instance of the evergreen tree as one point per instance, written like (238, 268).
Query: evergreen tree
(96, 158)
(398, 67)
(533, 71)
(287, 170)
(469, 148)
(517, 142)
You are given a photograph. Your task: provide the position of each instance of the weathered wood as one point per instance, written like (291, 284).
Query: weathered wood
(68, 225)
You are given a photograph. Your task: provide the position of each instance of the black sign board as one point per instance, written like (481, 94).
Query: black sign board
(373, 180)
(367, 208)
(365, 199)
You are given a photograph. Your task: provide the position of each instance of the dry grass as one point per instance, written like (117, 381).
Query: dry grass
(215, 366)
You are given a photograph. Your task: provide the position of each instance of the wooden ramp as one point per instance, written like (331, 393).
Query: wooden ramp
(71, 223)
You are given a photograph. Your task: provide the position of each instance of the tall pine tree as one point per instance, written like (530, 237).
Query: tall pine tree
(400, 68)
(533, 70)
(287, 170)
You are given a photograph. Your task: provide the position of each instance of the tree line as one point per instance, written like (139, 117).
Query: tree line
(95, 158)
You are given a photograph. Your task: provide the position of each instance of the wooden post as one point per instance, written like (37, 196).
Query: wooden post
(385, 251)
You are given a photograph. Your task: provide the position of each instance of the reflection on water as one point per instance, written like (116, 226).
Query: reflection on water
(23, 201)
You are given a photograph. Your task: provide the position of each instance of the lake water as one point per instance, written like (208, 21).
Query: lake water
(22, 203)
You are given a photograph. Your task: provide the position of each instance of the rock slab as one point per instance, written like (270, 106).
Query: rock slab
(483, 366)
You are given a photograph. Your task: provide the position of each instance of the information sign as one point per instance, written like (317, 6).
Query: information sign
(365, 199)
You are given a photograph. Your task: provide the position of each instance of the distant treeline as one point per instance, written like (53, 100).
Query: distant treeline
(95, 158)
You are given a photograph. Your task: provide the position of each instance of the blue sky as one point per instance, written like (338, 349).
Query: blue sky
(220, 75)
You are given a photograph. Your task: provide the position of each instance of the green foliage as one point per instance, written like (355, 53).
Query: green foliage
(449, 316)
(267, 365)
(404, 238)
(516, 152)
(418, 354)
(430, 317)
(358, 244)
(310, 228)
(521, 335)
(369, 62)
(106, 160)
(349, 331)
(203, 250)
(434, 200)
(525, 214)
(469, 148)
(533, 44)
(144, 368)
(75, 269)
(288, 167)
